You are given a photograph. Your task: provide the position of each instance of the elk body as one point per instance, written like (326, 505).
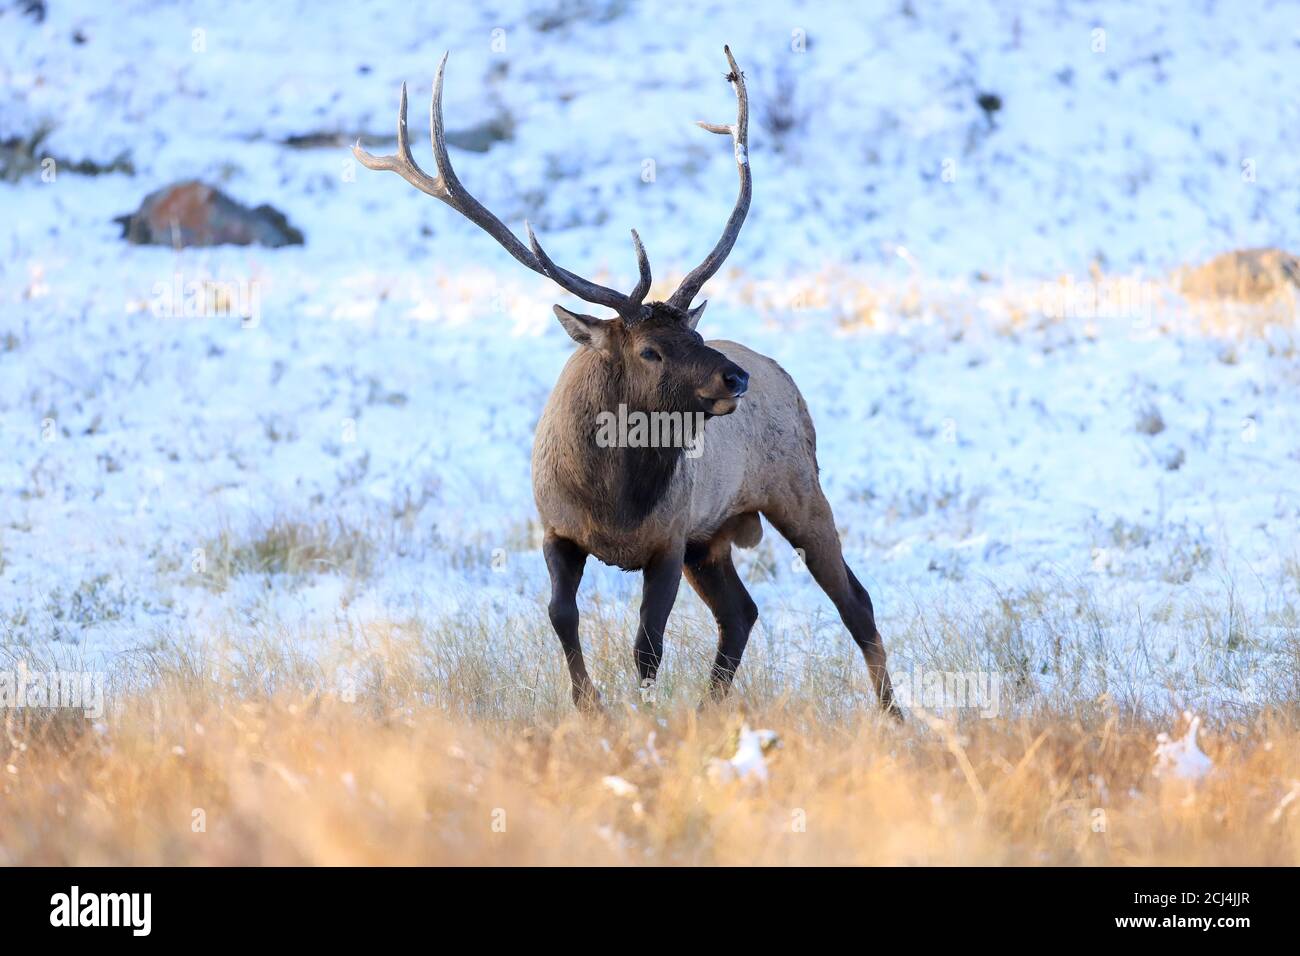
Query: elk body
(667, 510)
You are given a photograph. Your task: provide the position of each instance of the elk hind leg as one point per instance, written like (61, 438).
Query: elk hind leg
(812, 531)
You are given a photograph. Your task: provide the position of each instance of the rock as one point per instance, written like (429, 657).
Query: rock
(1245, 275)
(195, 214)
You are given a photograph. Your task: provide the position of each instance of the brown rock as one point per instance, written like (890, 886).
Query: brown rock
(195, 214)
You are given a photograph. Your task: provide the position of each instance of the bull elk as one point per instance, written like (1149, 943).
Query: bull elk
(665, 511)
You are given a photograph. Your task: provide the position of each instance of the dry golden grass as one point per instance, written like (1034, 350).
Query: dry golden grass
(208, 760)
(1245, 294)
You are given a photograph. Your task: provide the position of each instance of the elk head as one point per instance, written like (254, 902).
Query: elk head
(660, 362)
(652, 349)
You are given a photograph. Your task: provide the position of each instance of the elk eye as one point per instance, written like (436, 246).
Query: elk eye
(650, 355)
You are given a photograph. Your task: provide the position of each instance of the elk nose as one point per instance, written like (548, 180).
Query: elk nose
(736, 380)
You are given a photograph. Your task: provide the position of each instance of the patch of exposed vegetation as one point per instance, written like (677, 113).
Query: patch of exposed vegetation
(21, 157)
(284, 547)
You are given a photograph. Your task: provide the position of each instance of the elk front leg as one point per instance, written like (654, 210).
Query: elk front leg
(658, 592)
(565, 561)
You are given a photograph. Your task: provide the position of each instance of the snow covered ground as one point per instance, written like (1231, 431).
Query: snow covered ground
(1083, 503)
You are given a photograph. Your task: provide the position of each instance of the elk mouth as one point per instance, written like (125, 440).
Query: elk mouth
(722, 404)
(733, 383)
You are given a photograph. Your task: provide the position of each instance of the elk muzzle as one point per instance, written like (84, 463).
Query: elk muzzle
(725, 387)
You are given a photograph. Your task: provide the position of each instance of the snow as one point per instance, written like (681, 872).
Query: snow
(1182, 759)
(749, 765)
(994, 489)
(618, 786)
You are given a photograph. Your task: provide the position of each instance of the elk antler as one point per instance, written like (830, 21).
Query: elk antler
(739, 132)
(447, 187)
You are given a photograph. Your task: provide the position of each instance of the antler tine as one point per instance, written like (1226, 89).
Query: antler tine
(459, 197)
(739, 132)
(446, 186)
(589, 291)
(638, 294)
(402, 162)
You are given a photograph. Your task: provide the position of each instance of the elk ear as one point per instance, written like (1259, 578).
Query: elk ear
(586, 330)
(693, 315)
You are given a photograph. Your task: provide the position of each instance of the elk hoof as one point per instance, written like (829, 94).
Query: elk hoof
(587, 700)
(647, 691)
